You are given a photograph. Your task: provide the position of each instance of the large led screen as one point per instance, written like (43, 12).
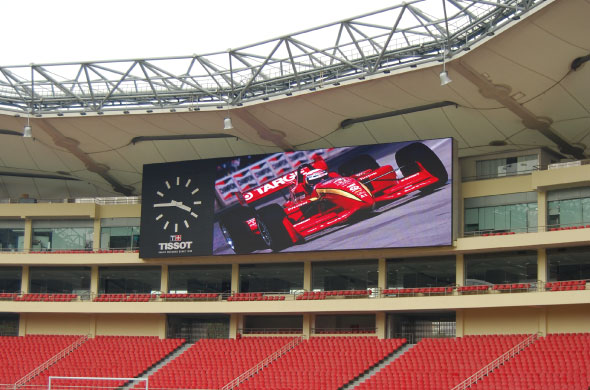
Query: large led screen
(363, 197)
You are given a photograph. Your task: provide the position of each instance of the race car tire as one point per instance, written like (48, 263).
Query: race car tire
(236, 231)
(273, 231)
(418, 152)
(358, 164)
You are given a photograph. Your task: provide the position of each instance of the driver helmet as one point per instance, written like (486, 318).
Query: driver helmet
(315, 176)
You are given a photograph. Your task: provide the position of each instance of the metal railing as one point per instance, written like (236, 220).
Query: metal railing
(265, 362)
(60, 355)
(257, 331)
(512, 352)
(393, 292)
(93, 200)
(530, 229)
(361, 330)
(62, 251)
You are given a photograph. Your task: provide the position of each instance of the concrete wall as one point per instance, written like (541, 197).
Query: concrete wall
(94, 324)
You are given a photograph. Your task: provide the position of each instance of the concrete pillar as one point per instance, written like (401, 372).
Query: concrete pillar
(235, 323)
(162, 327)
(24, 282)
(542, 266)
(543, 321)
(96, 235)
(459, 319)
(164, 278)
(460, 270)
(307, 275)
(382, 273)
(27, 239)
(92, 325)
(94, 280)
(306, 325)
(542, 210)
(380, 324)
(22, 324)
(235, 277)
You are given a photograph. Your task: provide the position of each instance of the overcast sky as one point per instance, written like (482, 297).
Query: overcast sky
(41, 31)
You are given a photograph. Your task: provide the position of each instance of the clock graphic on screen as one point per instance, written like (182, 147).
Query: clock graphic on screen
(176, 204)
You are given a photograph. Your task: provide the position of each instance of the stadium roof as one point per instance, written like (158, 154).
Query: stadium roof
(519, 81)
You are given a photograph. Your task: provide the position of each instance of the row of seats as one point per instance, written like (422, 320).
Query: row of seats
(39, 297)
(315, 295)
(125, 298)
(569, 228)
(498, 234)
(182, 296)
(42, 297)
(418, 290)
(565, 283)
(513, 286)
(481, 287)
(257, 298)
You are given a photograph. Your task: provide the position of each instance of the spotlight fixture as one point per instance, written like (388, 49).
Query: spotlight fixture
(227, 125)
(27, 131)
(444, 78)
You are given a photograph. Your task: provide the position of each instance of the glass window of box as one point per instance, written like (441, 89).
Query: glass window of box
(199, 278)
(10, 279)
(417, 326)
(129, 280)
(568, 207)
(54, 235)
(359, 323)
(9, 324)
(344, 275)
(271, 277)
(273, 324)
(60, 280)
(569, 263)
(421, 272)
(12, 235)
(508, 166)
(196, 327)
(119, 233)
(501, 268)
(501, 213)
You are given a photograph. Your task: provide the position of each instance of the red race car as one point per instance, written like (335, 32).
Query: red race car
(319, 199)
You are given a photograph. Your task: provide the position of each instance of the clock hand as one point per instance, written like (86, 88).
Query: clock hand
(182, 206)
(171, 204)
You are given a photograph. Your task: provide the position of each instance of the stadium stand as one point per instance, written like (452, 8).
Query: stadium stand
(557, 361)
(211, 363)
(323, 363)
(109, 356)
(30, 352)
(440, 363)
